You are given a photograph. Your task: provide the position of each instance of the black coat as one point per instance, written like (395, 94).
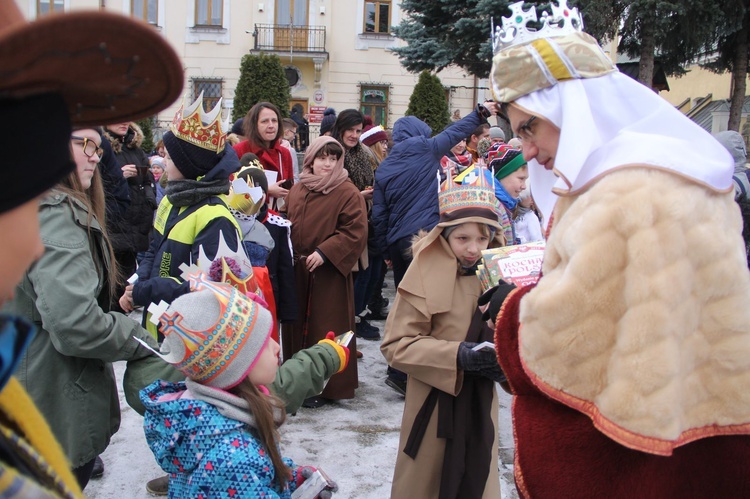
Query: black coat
(131, 232)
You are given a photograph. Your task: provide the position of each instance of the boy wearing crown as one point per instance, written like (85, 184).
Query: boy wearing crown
(193, 220)
(628, 359)
(449, 440)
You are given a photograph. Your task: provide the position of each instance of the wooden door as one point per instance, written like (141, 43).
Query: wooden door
(291, 25)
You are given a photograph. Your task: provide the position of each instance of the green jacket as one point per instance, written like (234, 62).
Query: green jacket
(300, 377)
(67, 369)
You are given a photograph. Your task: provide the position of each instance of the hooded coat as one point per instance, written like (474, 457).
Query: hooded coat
(206, 453)
(405, 199)
(429, 320)
(735, 144)
(180, 234)
(67, 369)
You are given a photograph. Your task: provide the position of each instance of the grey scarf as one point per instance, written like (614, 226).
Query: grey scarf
(186, 192)
(228, 405)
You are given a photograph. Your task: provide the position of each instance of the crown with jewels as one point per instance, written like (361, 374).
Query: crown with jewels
(527, 59)
(473, 196)
(192, 124)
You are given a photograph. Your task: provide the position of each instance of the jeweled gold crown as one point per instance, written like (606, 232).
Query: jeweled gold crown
(527, 59)
(194, 125)
(474, 194)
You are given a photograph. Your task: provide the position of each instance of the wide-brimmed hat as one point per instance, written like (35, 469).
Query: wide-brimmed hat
(108, 68)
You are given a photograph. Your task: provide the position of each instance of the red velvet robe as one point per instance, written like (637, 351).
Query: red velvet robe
(559, 452)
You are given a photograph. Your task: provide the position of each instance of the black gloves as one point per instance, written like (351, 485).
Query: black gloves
(482, 362)
(495, 296)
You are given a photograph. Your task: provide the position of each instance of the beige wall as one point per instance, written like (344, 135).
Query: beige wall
(353, 58)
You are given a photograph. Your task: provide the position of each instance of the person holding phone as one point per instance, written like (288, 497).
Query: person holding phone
(130, 234)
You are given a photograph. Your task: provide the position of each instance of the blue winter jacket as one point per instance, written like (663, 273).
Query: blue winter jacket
(405, 199)
(205, 453)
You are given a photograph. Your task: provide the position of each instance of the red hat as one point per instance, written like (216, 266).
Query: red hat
(371, 135)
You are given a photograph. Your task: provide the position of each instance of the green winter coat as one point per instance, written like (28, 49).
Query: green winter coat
(300, 377)
(67, 369)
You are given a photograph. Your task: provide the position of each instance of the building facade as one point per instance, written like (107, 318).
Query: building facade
(335, 52)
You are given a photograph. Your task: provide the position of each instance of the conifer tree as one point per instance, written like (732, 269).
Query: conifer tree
(428, 102)
(262, 79)
(147, 127)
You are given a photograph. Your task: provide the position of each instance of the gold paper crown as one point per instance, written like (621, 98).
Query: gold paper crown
(194, 125)
(473, 196)
(242, 201)
(527, 60)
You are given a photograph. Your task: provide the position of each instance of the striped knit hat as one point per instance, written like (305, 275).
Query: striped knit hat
(214, 334)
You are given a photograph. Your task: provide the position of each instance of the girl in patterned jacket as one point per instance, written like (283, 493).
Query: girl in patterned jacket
(216, 433)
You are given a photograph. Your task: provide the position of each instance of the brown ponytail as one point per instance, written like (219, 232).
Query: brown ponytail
(262, 407)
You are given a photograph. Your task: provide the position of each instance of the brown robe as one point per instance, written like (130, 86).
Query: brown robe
(428, 321)
(336, 224)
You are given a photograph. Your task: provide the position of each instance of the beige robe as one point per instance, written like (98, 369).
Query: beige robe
(428, 321)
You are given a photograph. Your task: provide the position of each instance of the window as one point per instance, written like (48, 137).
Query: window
(47, 6)
(211, 88)
(208, 12)
(145, 9)
(374, 103)
(378, 16)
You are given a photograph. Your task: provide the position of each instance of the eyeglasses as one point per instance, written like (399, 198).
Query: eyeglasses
(89, 146)
(525, 132)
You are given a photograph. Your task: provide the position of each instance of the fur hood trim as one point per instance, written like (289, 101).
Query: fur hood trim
(117, 141)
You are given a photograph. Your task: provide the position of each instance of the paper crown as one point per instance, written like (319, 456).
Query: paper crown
(473, 196)
(192, 124)
(214, 334)
(244, 196)
(527, 59)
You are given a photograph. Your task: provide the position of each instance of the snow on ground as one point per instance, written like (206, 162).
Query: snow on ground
(354, 441)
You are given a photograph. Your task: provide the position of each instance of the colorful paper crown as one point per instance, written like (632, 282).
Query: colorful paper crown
(473, 197)
(527, 60)
(214, 334)
(194, 125)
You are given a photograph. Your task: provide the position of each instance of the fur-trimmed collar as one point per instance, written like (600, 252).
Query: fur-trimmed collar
(116, 140)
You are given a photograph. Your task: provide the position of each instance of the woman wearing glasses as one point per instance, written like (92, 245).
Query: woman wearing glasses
(67, 369)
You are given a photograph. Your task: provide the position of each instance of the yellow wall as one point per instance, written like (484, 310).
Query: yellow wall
(697, 83)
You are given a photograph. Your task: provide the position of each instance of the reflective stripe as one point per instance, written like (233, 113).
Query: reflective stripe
(186, 230)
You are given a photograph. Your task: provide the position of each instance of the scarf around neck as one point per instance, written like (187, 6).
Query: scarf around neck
(228, 405)
(322, 183)
(187, 192)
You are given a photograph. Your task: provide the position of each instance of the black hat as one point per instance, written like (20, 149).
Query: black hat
(329, 118)
(192, 161)
(237, 127)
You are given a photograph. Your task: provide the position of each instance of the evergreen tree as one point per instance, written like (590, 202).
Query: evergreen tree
(731, 51)
(262, 79)
(147, 127)
(428, 102)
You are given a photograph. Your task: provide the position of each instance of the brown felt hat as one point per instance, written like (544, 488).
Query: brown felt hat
(108, 68)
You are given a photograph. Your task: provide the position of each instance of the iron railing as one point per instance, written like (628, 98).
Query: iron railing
(290, 38)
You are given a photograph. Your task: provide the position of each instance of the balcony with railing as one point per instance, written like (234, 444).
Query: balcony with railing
(285, 39)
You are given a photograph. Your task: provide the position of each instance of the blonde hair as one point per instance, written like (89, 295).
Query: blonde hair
(379, 152)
